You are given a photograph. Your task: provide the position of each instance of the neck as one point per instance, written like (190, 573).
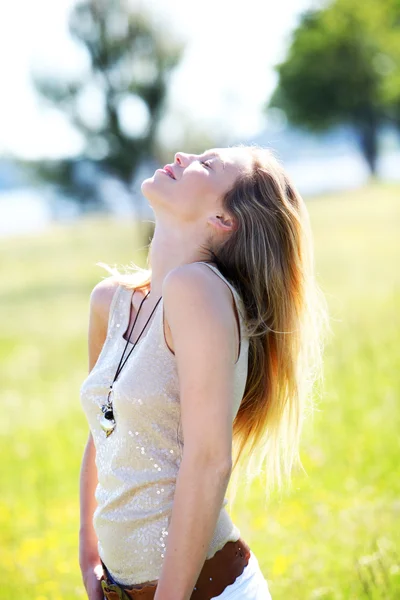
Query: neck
(171, 248)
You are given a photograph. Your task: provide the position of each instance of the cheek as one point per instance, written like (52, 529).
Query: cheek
(197, 186)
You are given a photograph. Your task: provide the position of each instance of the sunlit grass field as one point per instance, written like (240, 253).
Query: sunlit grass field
(336, 535)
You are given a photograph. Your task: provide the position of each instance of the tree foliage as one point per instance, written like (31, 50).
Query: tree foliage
(130, 59)
(343, 67)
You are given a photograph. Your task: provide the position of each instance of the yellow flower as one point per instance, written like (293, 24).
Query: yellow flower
(280, 565)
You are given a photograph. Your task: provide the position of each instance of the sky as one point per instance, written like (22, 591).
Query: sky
(225, 76)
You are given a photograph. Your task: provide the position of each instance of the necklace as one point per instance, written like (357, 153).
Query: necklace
(107, 421)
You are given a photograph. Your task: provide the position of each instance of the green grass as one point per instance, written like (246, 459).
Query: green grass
(336, 536)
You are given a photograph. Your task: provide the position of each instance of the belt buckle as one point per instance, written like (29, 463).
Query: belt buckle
(112, 591)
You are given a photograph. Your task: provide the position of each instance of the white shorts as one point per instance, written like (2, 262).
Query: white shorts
(250, 585)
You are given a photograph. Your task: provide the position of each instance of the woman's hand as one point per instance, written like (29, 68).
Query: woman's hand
(91, 578)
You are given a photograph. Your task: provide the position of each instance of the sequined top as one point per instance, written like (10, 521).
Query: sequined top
(137, 465)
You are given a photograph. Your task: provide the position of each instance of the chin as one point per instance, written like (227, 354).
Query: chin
(147, 188)
(152, 191)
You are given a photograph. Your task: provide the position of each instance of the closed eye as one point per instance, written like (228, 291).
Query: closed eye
(206, 163)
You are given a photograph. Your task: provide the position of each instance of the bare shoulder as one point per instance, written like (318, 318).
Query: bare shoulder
(195, 282)
(199, 305)
(102, 295)
(100, 303)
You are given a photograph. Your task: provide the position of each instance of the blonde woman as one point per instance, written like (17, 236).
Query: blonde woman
(207, 357)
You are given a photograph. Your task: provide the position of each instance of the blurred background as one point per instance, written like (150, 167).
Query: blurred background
(96, 95)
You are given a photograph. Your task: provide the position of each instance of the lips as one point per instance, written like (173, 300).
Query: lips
(169, 170)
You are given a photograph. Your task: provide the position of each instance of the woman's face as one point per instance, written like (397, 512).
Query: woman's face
(192, 187)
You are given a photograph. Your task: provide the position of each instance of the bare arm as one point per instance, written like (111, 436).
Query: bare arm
(206, 369)
(89, 559)
(88, 555)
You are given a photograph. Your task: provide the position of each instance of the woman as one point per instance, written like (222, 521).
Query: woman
(213, 351)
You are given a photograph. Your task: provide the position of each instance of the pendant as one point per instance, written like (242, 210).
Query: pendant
(107, 422)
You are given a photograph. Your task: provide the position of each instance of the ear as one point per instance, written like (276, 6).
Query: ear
(221, 223)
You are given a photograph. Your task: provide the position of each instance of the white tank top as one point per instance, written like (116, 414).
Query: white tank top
(137, 465)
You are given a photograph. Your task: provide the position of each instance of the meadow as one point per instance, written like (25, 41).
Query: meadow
(336, 535)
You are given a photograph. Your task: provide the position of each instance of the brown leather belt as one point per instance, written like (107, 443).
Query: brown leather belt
(219, 571)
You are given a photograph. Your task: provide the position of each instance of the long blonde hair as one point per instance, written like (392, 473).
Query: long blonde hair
(269, 258)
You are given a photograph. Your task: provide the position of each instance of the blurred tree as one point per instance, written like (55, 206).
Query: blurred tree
(117, 104)
(343, 67)
(390, 59)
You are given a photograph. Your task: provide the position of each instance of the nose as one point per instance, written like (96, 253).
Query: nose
(181, 158)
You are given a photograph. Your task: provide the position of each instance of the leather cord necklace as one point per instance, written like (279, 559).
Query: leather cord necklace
(107, 421)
